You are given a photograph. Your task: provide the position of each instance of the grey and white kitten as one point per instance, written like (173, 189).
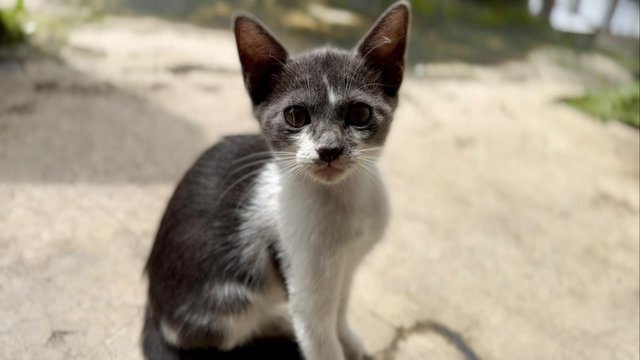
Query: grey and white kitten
(263, 234)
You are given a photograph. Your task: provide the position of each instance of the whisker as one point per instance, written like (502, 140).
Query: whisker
(269, 153)
(286, 162)
(242, 198)
(372, 148)
(369, 174)
(235, 183)
(368, 158)
(244, 166)
(266, 154)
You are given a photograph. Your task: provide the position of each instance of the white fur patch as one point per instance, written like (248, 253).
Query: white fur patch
(259, 226)
(330, 93)
(170, 334)
(239, 328)
(325, 231)
(306, 148)
(230, 291)
(258, 222)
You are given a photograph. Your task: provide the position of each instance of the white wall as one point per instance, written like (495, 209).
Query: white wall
(591, 16)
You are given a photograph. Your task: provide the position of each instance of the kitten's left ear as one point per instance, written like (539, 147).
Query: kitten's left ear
(384, 46)
(261, 55)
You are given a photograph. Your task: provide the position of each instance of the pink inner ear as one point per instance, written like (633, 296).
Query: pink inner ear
(385, 45)
(260, 55)
(249, 38)
(394, 26)
(388, 34)
(255, 44)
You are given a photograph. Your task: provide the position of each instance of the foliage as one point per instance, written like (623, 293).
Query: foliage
(621, 103)
(11, 24)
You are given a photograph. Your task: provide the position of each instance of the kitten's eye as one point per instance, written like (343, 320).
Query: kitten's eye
(358, 115)
(296, 116)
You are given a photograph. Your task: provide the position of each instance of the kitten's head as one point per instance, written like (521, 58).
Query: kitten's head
(327, 112)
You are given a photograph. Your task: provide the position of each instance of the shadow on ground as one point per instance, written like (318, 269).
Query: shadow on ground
(110, 137)
(282, 349)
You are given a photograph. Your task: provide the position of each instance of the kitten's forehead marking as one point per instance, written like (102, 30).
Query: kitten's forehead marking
(330, 93)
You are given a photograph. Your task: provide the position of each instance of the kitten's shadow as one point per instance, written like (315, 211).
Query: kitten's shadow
(279, 348)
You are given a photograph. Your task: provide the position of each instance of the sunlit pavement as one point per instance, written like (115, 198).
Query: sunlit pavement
(515, 218)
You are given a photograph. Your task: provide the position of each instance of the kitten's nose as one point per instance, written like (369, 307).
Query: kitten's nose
(329, 154)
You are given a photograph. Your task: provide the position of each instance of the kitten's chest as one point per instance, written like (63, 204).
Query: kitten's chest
(311, 212)
(342, 213)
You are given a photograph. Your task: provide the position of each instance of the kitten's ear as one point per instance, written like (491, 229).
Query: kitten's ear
(261, 55)
(384, 46)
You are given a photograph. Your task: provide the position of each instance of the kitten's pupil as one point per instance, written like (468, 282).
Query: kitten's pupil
(296, 116)
(358, 115)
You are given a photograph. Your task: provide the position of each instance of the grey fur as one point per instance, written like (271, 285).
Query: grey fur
(205, 268)
(301, 82)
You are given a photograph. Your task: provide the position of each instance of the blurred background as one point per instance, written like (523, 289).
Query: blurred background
(513, 168)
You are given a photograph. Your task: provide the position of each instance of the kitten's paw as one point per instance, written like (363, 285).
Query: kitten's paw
(351, 345)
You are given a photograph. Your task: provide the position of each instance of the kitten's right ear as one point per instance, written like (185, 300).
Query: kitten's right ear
(261, 55)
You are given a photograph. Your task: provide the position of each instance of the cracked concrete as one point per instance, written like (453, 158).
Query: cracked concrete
(515, 218)
(421, 328)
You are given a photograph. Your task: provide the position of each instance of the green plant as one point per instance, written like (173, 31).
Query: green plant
(11, 24)
(621, 103)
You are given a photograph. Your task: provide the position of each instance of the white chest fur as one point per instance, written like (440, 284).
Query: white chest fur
(349, 215)
(324, 231)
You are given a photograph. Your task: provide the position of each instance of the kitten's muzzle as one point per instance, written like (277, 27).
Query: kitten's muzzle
(329, 154)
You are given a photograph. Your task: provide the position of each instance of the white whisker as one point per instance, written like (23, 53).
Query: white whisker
(235, 183)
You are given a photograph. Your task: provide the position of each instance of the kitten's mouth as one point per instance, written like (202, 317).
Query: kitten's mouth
(329, 172)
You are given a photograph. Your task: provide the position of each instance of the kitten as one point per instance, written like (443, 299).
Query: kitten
(263, 234)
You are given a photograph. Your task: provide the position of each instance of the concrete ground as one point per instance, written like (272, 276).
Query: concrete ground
(515, 231)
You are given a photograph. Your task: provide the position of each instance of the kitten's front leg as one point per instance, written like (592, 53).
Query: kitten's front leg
(351, 343)
(314, 287)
